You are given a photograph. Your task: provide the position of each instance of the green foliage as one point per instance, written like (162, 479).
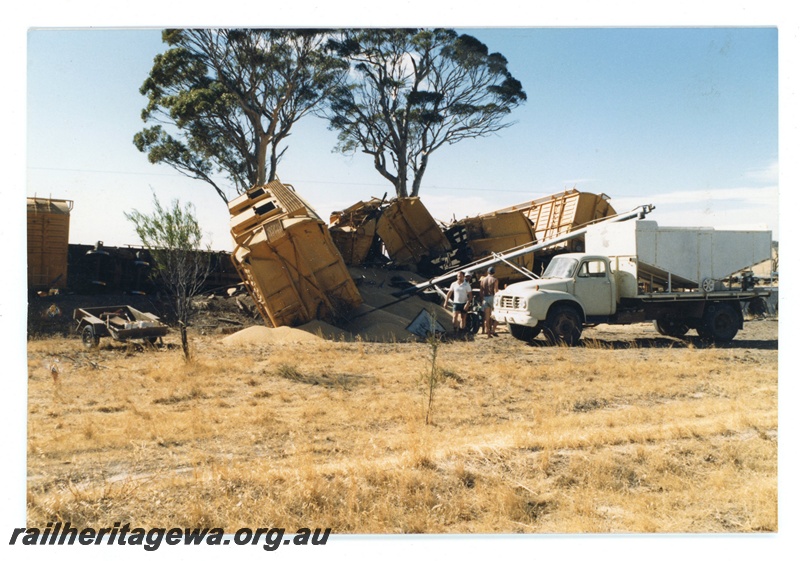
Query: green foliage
(221, 101)
(411, 91)
(173, 237)
(169, 233)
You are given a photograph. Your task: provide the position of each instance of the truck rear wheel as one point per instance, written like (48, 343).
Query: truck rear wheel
(563, 325)
(720, 323)
(523, 332)
(671, 327)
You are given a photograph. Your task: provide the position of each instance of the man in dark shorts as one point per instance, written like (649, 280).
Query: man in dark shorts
(489, 287)
(461, 292)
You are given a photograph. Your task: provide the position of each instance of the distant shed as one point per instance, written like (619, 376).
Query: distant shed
(48, 242)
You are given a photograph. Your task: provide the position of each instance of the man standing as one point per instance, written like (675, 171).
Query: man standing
(461, 292)
(489, 286)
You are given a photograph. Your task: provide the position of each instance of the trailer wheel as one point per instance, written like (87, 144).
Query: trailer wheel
(523, 332)
(90, 340)
(720, 323)
(563, 325)
(671, 327)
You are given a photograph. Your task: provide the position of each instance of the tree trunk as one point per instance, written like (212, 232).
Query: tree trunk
(402, 174)
(418, 176)
(185, 342)
(261, 161)
(273, 165)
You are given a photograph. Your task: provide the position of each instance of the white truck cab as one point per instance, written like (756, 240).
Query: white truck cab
(576, 288)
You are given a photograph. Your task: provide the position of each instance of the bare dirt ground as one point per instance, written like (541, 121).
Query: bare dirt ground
(627, 432)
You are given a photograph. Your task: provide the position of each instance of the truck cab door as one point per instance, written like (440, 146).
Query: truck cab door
(594, 287)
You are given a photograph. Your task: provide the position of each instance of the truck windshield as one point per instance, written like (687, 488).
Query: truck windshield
(560, 268)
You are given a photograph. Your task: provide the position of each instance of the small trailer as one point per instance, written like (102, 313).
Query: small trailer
(121, 323)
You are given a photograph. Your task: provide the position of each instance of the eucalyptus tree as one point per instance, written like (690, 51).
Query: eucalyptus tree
(221, 102)
(411, 91)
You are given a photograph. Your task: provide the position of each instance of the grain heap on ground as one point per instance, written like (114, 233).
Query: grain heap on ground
(383, 317)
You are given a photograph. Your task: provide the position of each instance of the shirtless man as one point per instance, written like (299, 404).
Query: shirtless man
(489, 287)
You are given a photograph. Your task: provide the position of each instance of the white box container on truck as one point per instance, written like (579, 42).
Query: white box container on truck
(635, 271)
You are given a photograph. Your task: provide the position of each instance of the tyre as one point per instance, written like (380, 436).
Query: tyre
(90, 340)
(757, 307)
(523, 332)
(671, 327)
(720, 323)
(474, 322)
(563, 325)
(151, 341)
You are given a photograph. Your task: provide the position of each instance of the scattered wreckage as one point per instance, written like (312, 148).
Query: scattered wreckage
(296, 268)
(595, 266)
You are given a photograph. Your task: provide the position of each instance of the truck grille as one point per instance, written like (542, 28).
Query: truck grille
(510, 302)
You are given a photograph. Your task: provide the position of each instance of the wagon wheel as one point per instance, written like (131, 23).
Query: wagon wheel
(90, 340)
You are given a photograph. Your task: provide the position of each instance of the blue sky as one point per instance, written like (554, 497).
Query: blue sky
(685, 118)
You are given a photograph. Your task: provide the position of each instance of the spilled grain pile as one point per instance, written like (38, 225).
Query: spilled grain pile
(384, 316)
(259, 334)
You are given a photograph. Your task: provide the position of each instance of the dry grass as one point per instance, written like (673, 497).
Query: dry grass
(529, 439)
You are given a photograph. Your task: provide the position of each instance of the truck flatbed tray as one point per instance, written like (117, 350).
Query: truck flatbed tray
(716, 295)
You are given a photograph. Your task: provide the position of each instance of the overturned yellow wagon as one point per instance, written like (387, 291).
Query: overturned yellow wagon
(411, 237)
(287, 258)
(483, 236)
(353, 230)
(558, 214)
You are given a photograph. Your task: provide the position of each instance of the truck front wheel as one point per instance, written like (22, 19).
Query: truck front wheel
(720, 323)
(671, 327)
(563, 325)
(523, 332)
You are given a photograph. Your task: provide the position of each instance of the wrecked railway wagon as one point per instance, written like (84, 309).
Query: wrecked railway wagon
(488, 234)
(353, 230)
(287, 259)
(558, 214)
(409, 234)
(533, 222)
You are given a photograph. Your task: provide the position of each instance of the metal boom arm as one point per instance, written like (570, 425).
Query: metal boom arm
(637, 213)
